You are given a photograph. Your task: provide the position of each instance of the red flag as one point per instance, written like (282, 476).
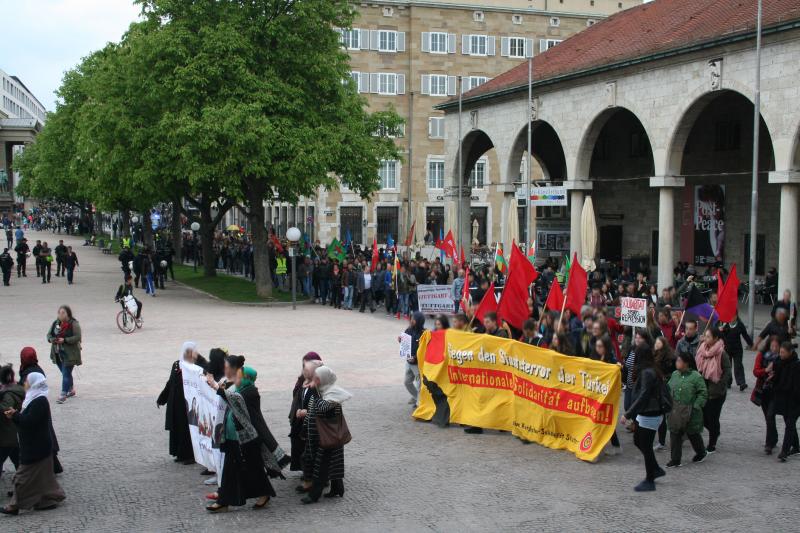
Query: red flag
(513, 306)
(449, 246)
(410, 236)
(374, 254)
(489, 303)
(462, 256)
(728, 296)
(277, 243)
(555, 300)
(576, 286)
(465, 296)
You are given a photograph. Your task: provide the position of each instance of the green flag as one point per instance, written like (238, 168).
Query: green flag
(336, 250)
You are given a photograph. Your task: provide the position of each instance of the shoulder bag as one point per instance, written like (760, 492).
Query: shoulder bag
(333, 431)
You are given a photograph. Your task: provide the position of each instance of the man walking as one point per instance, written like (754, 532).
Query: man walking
(22, 250)
(364, 288)
(61, 252)
(6, 264)
(36, 249)
(70, 262)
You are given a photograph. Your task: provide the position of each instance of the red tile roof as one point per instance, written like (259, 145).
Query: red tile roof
(641, 31)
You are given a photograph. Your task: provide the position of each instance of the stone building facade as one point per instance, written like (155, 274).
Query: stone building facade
(410, 54)
(656, 134)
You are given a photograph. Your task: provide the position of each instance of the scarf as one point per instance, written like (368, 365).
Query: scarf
(328, 388)
(249, 376)
(63, 328)
(27, 357)
(37, 387)
(709, 360)
(188, 346)
(308, 370)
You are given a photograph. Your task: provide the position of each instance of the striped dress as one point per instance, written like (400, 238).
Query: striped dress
(318, 464)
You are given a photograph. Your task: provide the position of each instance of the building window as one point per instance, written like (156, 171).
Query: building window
(438, 43)
(352, 39)
(516, 47)
(435, 221)
(387, 41)
(436, 128)
(477, 45)
(388, 222)
(438, 84)
(350, 224)
(385, 131)
(590, 22)
(470, 82)
(547, 44)
(555, 22)
(478, 175)
(387, 84)
(435, 175)
(478, 16)
(388, 174)
(516, 19)
(361, 81)
(388, 11)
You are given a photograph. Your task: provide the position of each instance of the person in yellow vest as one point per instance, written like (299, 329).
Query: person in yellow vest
(280, 271)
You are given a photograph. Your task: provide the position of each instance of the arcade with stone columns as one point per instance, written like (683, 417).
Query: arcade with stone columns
(644, 138)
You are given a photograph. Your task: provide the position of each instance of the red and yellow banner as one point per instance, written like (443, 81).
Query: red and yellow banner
(539, 395)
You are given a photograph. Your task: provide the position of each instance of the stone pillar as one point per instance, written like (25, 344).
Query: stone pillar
(787, 239)
(666, 227)
(578, 189)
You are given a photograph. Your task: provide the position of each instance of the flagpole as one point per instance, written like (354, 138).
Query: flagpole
(561, 317)
(460, 152)
(530, 147)
(751, 278)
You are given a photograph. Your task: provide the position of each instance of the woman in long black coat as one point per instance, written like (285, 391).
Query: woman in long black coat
(177, 419)
(300, 396)
(319, 464)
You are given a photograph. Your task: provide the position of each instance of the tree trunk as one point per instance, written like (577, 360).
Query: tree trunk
(175, 228)
(207, 239)
(125, 223)
(147, 229)
(255, 214)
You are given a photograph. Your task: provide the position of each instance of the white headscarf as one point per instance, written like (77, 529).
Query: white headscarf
(188, 345)
(328, 388)
(37, 387)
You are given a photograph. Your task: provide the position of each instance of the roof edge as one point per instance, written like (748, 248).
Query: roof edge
(703, 45)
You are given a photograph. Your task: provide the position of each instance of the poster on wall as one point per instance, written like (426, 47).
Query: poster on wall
(709, 224)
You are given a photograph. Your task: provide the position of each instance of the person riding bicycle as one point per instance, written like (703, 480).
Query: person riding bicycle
(126, 289)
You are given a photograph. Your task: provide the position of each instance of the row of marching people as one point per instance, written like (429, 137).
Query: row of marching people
(252, 455)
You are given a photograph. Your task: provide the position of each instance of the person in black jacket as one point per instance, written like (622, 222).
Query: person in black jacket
(732, 334)
(177, 419)
(786, 399)
(646, 410)
(35, 484)
(22, 250)
(302, 393)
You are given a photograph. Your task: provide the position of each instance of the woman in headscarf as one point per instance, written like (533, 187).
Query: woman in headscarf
(65, 337)
(177, 419)
(28, 362)
(11, 397)
(244, 474)
(35, 484)
(323, 465)
(300, 396)
(216, 363)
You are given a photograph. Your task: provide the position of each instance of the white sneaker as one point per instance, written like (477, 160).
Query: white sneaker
(659, 447)
(210, 481)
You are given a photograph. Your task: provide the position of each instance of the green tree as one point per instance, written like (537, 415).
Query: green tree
(266, 106)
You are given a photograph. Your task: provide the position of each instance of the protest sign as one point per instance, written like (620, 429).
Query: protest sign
(405, 345)
(633, 312)
(206, 413)
(539, 395)
(435, 299)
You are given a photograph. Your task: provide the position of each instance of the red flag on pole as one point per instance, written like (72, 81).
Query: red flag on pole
(728, 296)
(410, 236)
(462, 257)
(489, 303)
(465, 295)
(277, 243)
(555, 300)
(449, 246)
(513, 306)
(576, 286)
(374, 254)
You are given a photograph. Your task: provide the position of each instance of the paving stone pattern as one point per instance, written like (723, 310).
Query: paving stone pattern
(401, 475)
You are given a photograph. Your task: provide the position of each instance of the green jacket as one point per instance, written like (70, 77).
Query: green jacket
(689, 388)
(10, 398)
(71, 349)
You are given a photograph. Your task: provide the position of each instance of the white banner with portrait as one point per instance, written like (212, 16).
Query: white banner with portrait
(206, 413)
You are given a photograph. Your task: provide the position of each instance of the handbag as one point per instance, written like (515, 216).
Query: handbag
(333, 432)
(679, 417)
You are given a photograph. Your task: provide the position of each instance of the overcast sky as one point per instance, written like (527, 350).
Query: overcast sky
(41, 39)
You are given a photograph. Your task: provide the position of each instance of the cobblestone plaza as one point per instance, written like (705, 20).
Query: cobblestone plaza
(401, 475)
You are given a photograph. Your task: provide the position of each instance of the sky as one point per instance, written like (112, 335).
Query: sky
(41, 39)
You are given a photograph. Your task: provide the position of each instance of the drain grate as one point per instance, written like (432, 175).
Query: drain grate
(713, 511)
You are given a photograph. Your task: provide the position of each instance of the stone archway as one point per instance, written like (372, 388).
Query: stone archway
(474, 146)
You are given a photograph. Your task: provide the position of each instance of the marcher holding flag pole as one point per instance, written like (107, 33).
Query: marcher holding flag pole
(576, 289)
(727, 298)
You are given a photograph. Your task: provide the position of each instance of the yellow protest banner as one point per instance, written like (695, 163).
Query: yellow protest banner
(561, 402)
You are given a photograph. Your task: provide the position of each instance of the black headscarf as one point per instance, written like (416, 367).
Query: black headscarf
(216, 363)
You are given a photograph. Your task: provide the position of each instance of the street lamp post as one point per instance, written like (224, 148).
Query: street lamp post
(134, 221)
(293, 236)
(195, 228)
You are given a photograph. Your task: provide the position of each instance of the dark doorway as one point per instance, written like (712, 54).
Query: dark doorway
(350, 221)
(611, 243)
